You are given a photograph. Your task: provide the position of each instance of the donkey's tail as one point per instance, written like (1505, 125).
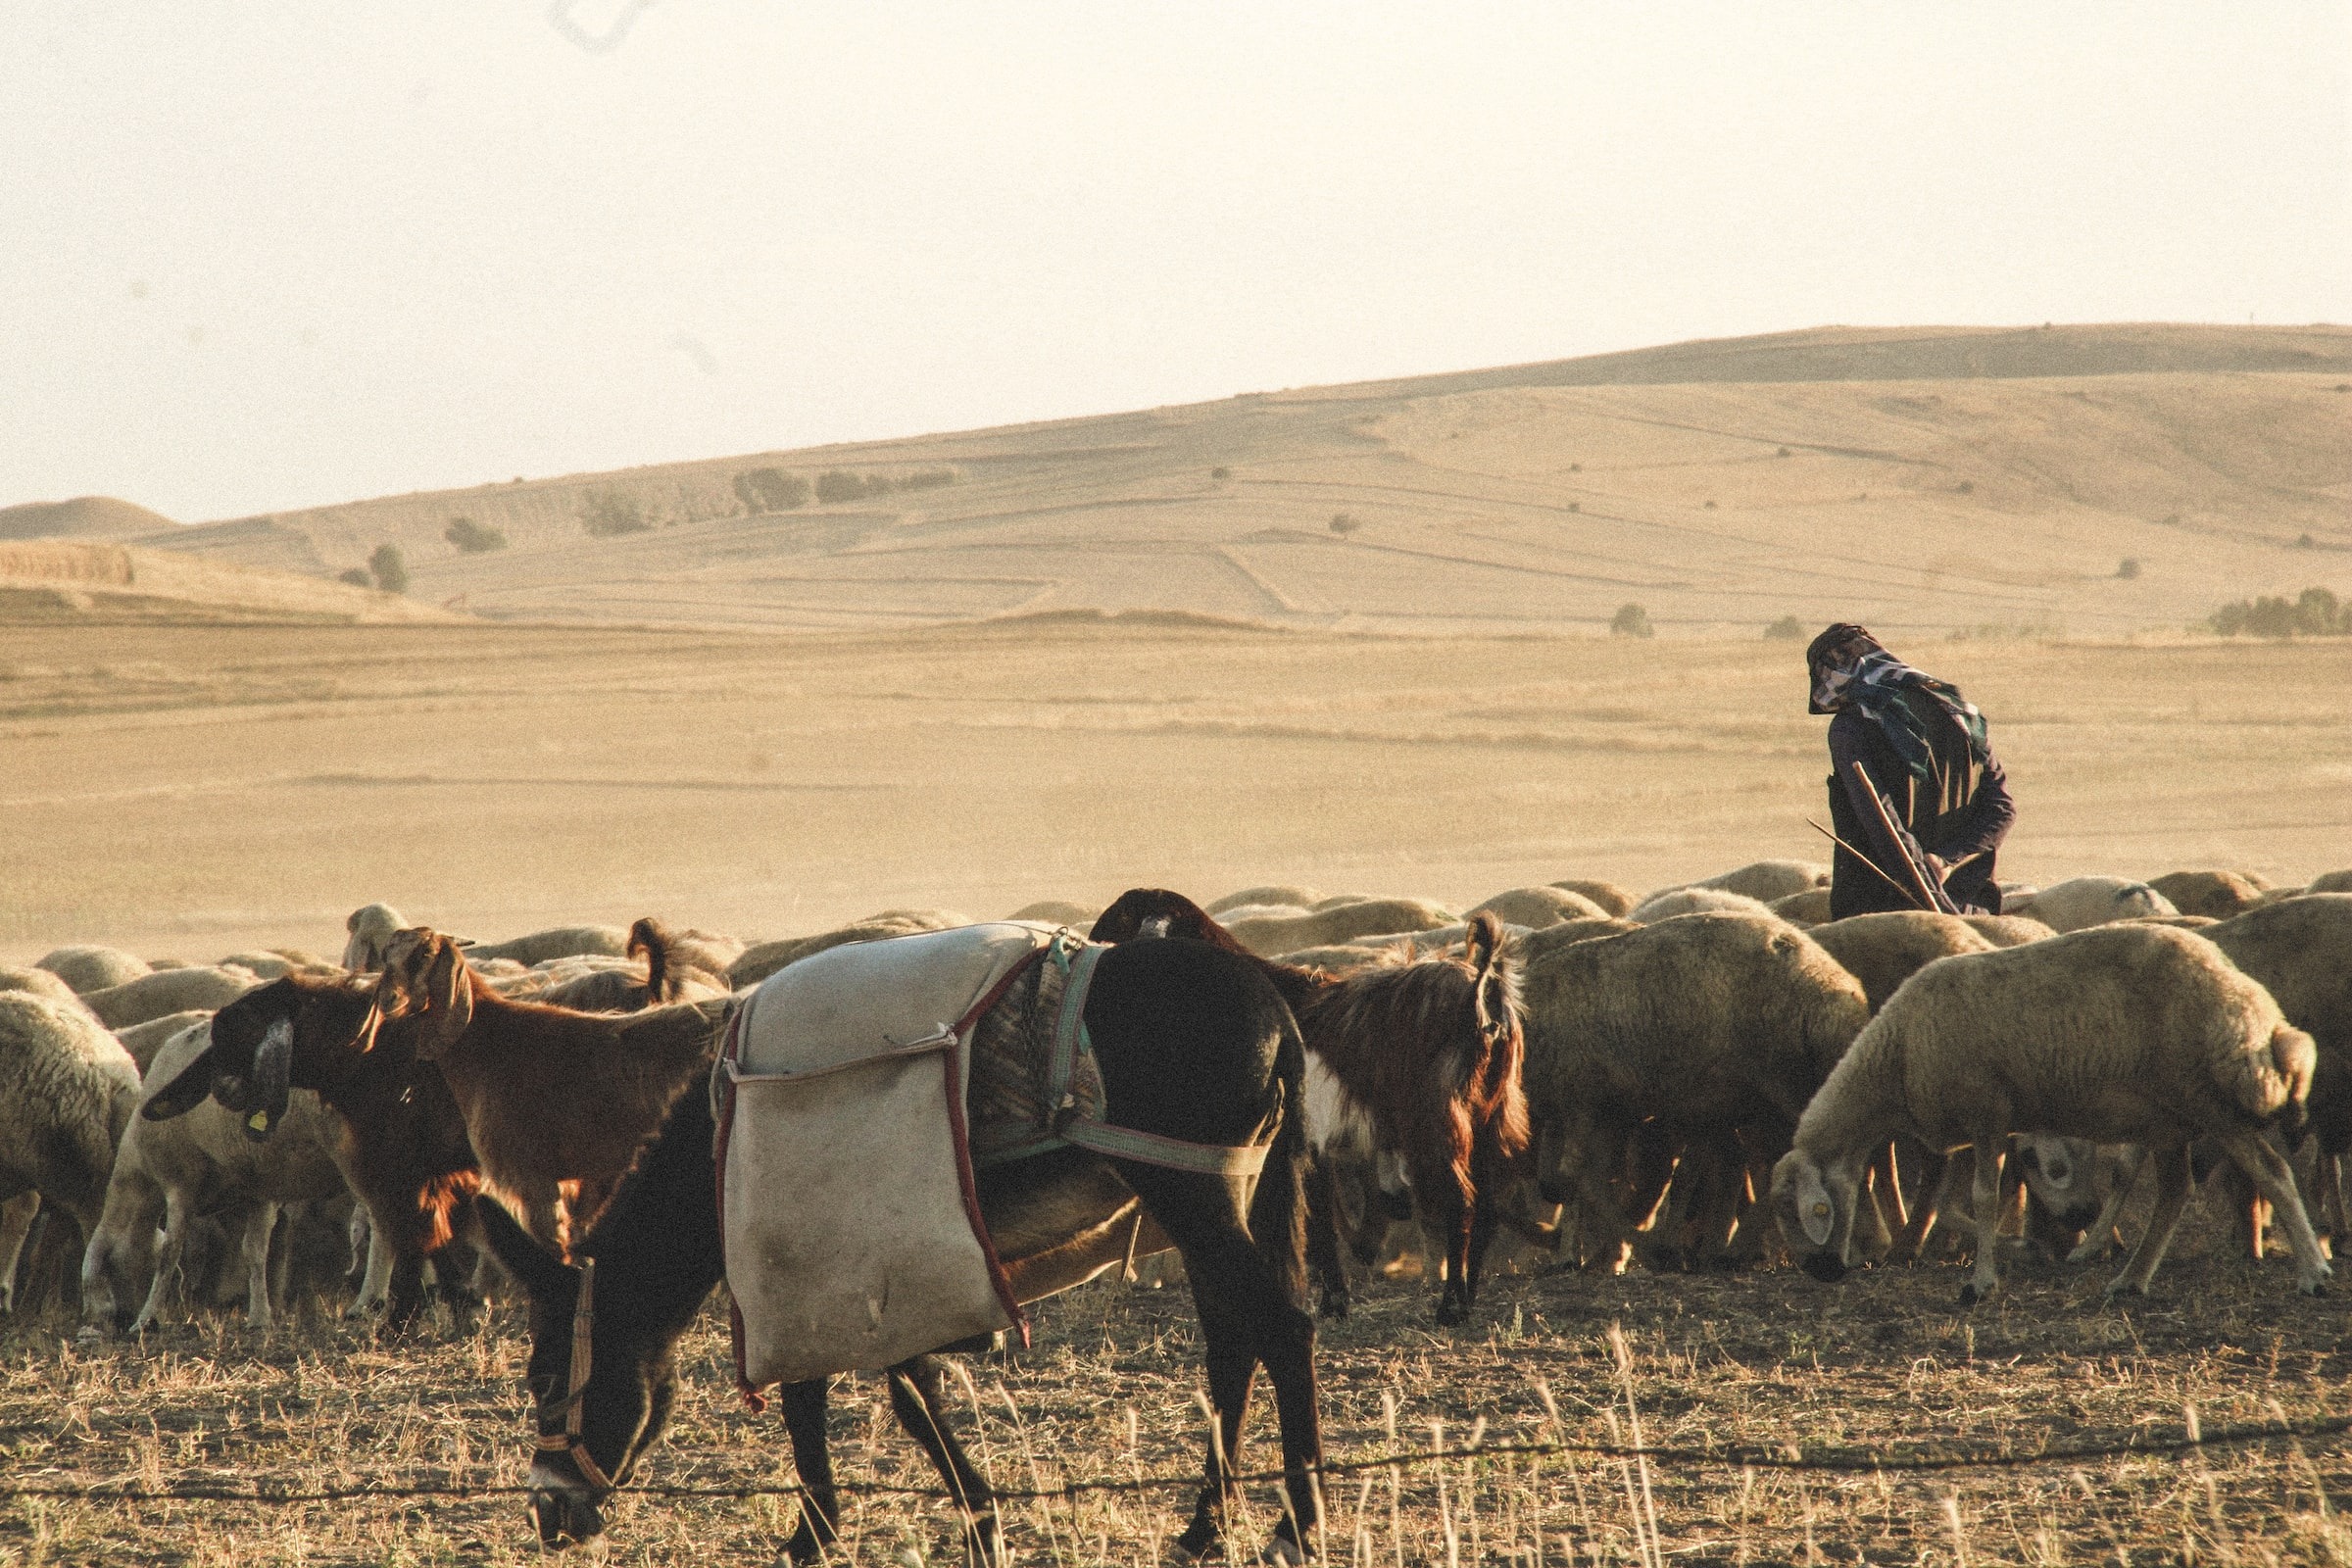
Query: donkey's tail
(1278, 1208)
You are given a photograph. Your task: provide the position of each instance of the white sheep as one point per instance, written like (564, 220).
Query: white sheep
(88, 969)
(1054, 912)
(2122, 1034)
(1673, 902)
(2329, 882)
(69, 1088)
(2007, 930)
(1767, 880)
(151, 996)
(763, 959)
(370, 927)
(1713, 1029)
(201, 1162)
(1613, 899)
(1538, 907)
(2219, 893)
(144, 1040)
(40, 982)
(1271, 934)
(2083, 902)
(1809, 908)
(1300, 898)
(1884, 949)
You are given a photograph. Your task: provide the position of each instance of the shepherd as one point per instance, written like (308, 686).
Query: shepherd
(1918, 802)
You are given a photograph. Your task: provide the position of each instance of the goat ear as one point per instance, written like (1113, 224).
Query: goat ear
(541, 1272)
(447, 1003)
(186, 1090)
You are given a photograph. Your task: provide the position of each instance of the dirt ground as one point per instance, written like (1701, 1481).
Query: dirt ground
(1886, 1362)
(189, 791)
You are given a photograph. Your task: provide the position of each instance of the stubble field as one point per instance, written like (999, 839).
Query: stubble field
(188, 790)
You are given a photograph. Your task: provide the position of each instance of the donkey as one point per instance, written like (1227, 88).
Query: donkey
(1193, 1044)
(1429, 1050)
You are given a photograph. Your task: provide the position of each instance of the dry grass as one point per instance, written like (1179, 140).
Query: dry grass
(1883, 1362)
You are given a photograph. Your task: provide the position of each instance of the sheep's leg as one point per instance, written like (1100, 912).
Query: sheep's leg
(2111, 1215)
(1913, 1243)
(1986, 1194)
(166, 1261)
(2268, 1169)
(15, 1223)
(260, 1220)
(2172, 1195)
(379, 1279)
(2340, 1194)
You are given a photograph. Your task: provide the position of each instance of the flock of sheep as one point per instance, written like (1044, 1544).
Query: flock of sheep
(1697, 1066)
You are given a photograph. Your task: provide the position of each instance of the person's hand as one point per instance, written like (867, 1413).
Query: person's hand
(1936, 868)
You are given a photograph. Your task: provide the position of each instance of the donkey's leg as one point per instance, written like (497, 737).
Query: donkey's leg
(1323, 1262)
(1248, 1315)
(1486, 1193)
(804, 1411)
(914, 1398)
(1445, 1217)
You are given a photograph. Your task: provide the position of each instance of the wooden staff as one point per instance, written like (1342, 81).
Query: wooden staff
(1926, 890)
(1864, 859)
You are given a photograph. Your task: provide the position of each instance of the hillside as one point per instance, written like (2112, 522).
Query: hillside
(83, 517)
(1921, 478)
(71, 582)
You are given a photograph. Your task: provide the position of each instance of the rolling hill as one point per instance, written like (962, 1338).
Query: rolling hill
(2094, 479)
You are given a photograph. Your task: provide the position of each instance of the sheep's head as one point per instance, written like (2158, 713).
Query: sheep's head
(266, 1043)
(2062, 1174)
(1816, 1211)
(426, 977)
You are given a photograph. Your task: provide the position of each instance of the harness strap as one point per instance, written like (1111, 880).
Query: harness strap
(583, 1360)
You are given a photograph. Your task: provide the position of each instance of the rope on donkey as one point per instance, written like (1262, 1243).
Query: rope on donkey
(1831, 1460)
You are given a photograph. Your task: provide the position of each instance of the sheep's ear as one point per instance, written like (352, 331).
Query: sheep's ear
(543, 1274)
(1816, 1211)
(186, 1090)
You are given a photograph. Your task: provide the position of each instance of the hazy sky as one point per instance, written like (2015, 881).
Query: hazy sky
(261, 257)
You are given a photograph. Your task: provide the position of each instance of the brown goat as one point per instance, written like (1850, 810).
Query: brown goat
(556, 1103)
(1429, 1049)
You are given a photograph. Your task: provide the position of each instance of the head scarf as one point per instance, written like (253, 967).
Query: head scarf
(1849, 668)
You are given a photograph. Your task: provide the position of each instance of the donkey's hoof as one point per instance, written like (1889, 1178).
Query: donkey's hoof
(1970, 1296)
(1199, 1539)
(2314, 1288)
(2124, 1292)
(1281, 1548)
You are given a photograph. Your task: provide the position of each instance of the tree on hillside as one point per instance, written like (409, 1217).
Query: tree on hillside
(836, 485)
(357, 576)
(607, 513)
(763, 490)
(474, 538)
(1631, 620)
(390, 564)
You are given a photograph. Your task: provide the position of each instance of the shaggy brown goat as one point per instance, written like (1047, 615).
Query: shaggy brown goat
(556, 1103)
(1429, 1050)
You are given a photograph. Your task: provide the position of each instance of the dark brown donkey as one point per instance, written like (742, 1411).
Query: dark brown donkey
(1430, 1051)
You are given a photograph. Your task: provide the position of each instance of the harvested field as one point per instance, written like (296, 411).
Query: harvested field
(1774, 1362)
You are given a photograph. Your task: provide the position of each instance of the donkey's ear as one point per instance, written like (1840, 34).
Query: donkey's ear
(542, 1273)
(186, 1090)
(1482, 941)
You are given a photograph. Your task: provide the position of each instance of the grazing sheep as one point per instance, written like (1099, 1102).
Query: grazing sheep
(1540, 907)
(2324, 882)
(144, 1040)
(88, 969)
(1333, 900)
(1713, 1029)
(1300, 897)
(1767, 880)
(1613, 899)
(1809, 908)
(1339, 958)
(765, 958)
(15, 1223)
(2083, 902)
(179, 1169)
(661, 968)
(276, 962)
(1570, 931)
(1265, 935)
(1884, 949)
(39, 983)
(1673, 902)
(2219, 893)
(2123, 1034)
(152, 995)
(2008, 930)
(370, 926)
(1054, 912)
(2178, 922)
(71, 1088)
(557, 942)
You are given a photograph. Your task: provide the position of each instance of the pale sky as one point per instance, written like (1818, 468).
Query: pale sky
(269, 256)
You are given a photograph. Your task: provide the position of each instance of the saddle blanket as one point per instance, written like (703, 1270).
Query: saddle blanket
(848, 1211)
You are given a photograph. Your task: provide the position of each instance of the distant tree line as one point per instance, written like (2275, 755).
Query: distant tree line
(474, 538)
(2314, 612)
(764, 490)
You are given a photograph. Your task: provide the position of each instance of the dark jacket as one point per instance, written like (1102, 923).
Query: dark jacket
(1962, 808)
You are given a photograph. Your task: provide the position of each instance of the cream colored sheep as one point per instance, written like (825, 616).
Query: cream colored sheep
(1568, 932)
(15, 1223)
(40, 982)
(1883, 950)
(1332, 901)
(763, 959)
(69, 1088)
(275, 962)
(1613, 899)
(88, 969)
(2324, 882)
(1713, 1029)
(556, 941)
(1767, 880)
(2219, 893)
(2007, 930)
(174, 1170)
(2301, 951)
(144, 1040)
(1538, 907)
(1300, 897)
(370, 927)
(166, 991)
(2083, 902)
(1809, 908)
(2123, 1034)
(1054, 912)
(1268, 935)
(1674, 902)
